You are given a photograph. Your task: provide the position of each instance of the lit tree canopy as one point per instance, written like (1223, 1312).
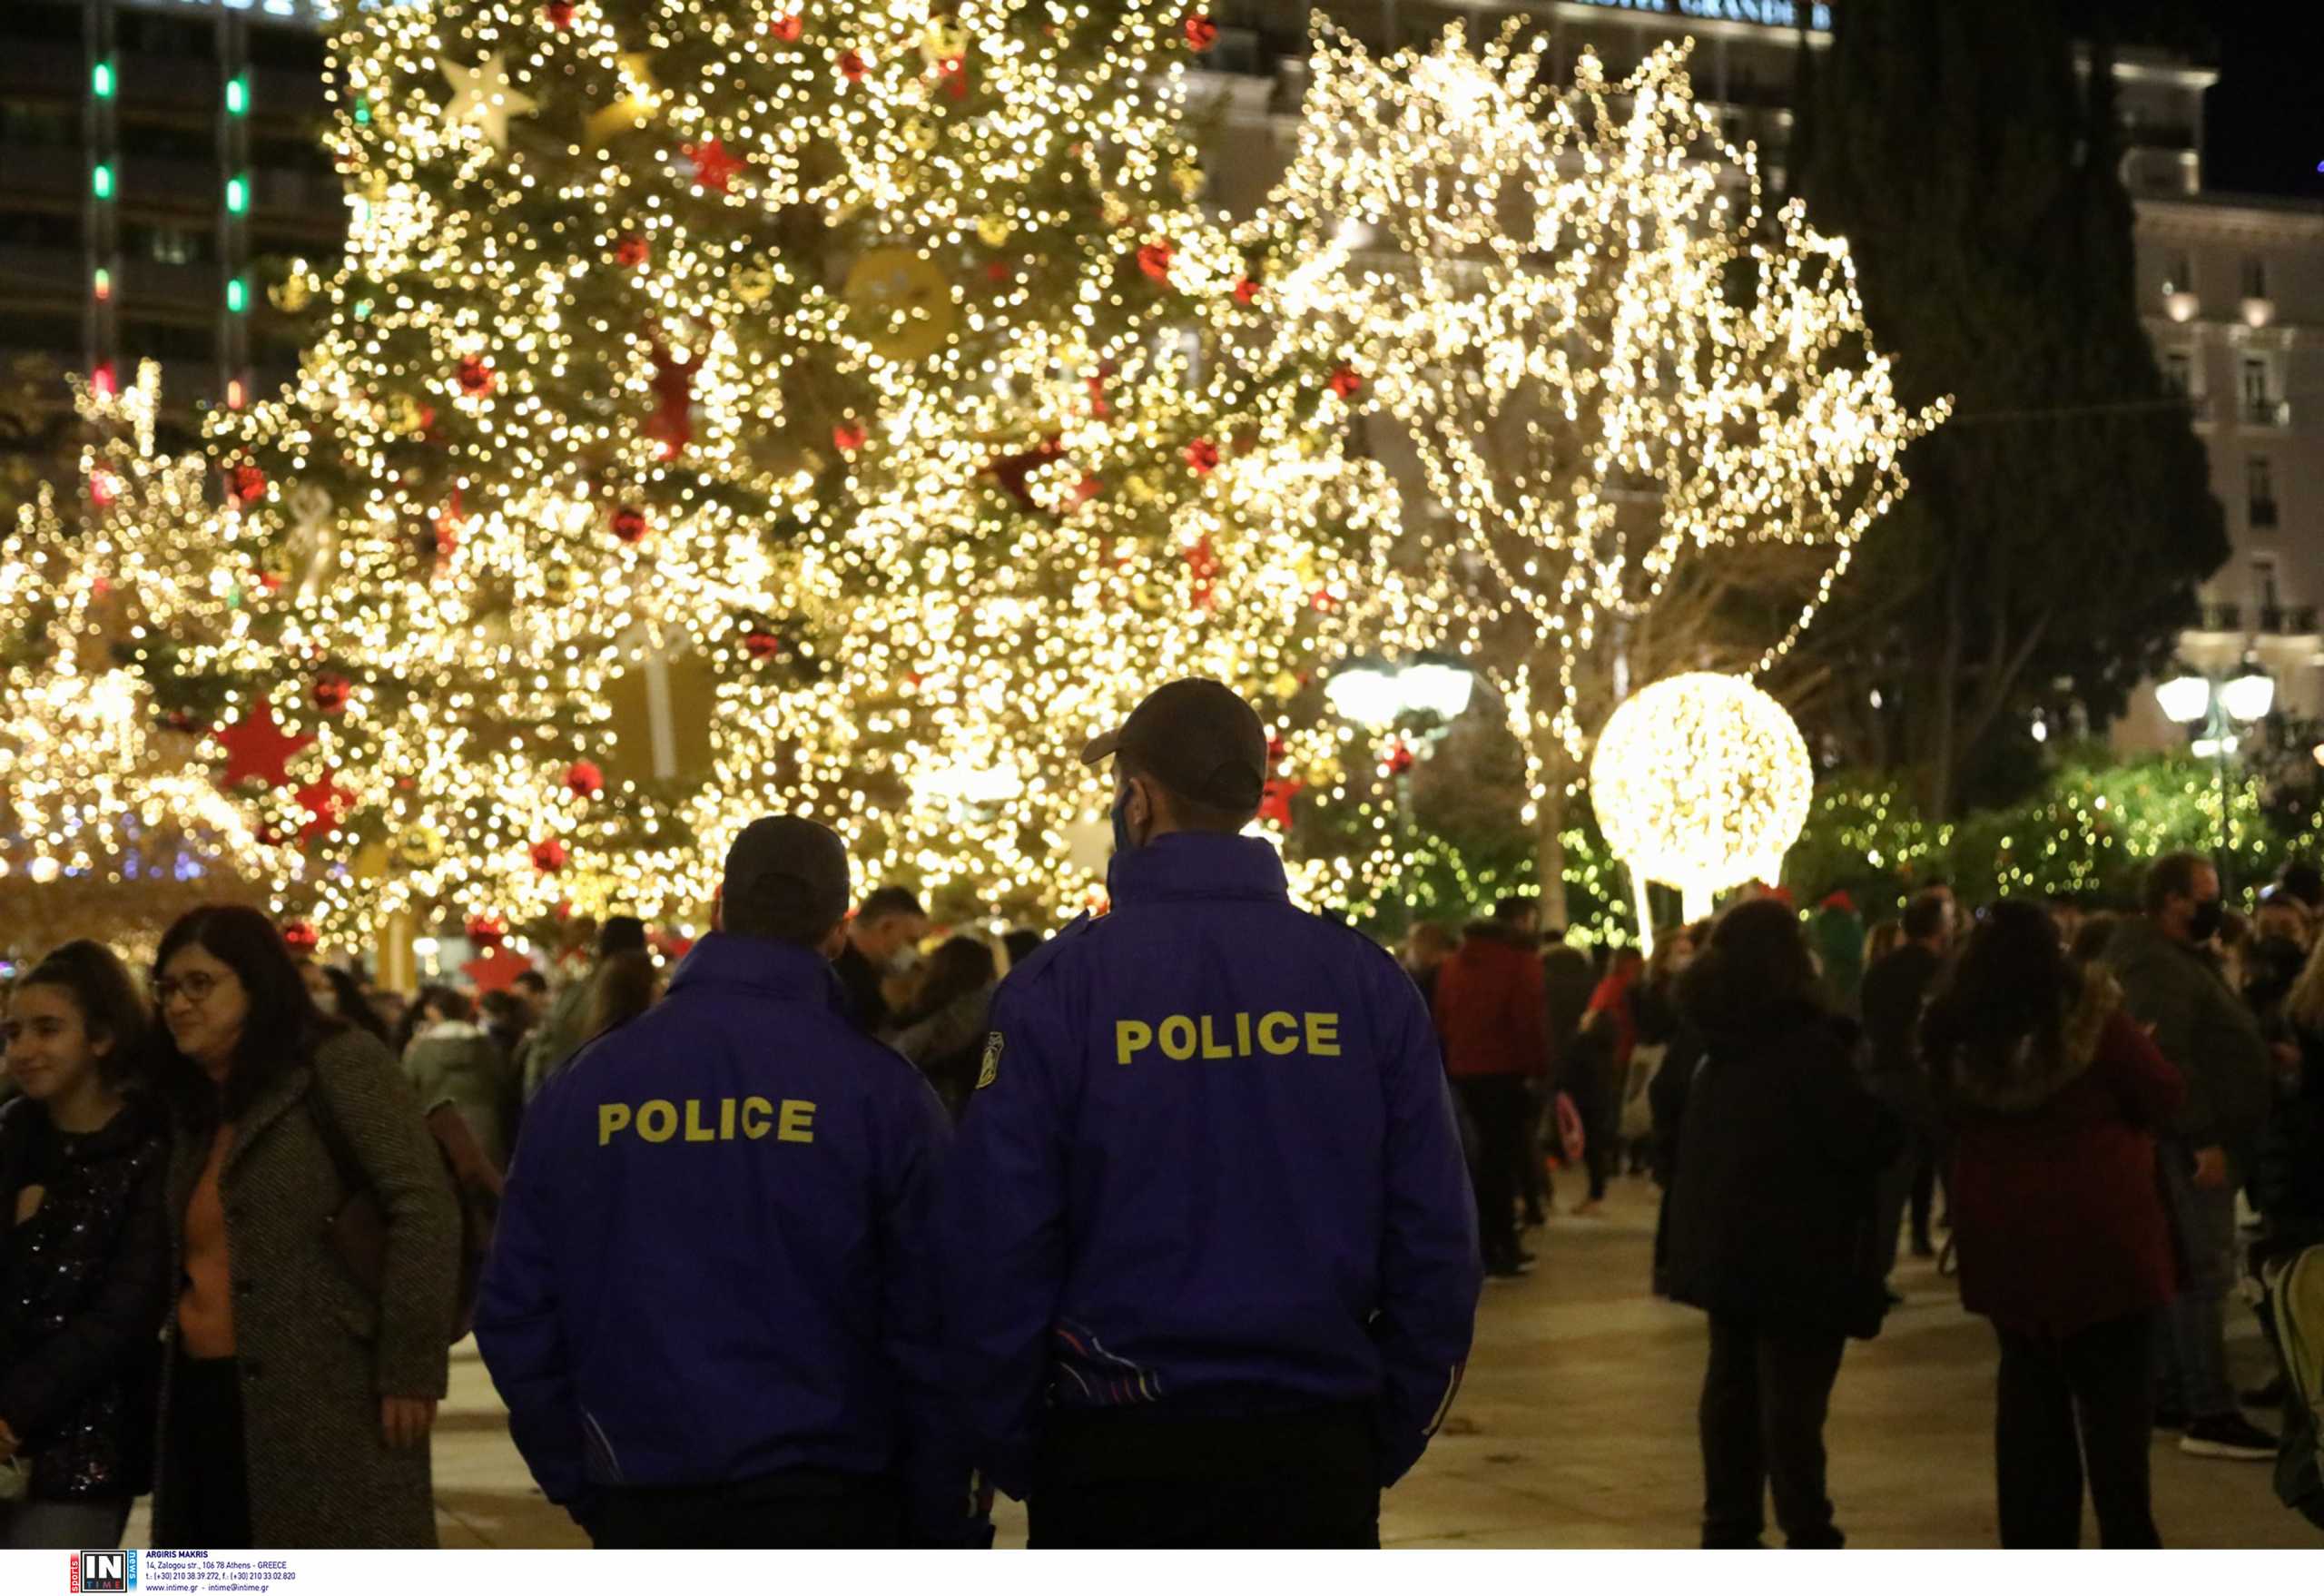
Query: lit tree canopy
(878, 359)
(1645, 407)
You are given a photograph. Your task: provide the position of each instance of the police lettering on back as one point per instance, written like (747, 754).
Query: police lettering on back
(1277, 1033)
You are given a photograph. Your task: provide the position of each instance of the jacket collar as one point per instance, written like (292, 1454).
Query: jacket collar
(778, 970)
(1197, 864)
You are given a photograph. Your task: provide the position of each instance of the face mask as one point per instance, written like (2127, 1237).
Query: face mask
(1122, 844)
(327, 1001)
(2210, 912)
(900, 962)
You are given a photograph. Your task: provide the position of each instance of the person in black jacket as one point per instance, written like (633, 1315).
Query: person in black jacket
(84, 1256)
(1771, 1213)
(1896, 990)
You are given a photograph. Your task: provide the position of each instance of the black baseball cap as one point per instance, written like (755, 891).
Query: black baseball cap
(790, 866)
(1198, 740)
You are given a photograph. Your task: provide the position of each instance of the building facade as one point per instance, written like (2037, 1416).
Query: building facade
(159, 166)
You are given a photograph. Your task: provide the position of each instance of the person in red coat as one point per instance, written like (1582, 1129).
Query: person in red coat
(1494, 1018)
(2052, 1095)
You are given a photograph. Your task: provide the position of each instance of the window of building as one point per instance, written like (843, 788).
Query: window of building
(2260, 490)
(2259, 400)
(2179, 370)
(38, 127)
(2266, 591)
(56, 23)
(2178, 272)
(168, 340)
(148, 32)
(2255, 278)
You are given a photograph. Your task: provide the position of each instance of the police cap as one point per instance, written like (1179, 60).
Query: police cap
(1198, 740)
(789, 871)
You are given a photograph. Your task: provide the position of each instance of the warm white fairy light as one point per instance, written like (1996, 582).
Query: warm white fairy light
(876, 357)
(1616, 370)
(1701, 781)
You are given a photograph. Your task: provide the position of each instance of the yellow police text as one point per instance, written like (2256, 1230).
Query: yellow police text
(1229, 1036)
(706, 1119)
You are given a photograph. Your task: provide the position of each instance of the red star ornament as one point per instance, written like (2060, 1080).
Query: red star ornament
(1154, 260)
(326, 803)
(497, 971)
(713, 167)
(257, 748)
(1275, 804)
(1201, 32)
(788, 28)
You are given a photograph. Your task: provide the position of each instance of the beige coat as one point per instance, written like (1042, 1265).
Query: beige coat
(316, 1352)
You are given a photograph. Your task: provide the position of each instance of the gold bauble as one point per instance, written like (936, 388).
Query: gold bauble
(946, 39)
(418, 846)
(293, 294)
(403, 413)
(899, 304)
(1284, 686)
(994, 230)
(753, 284)
(1187, 179)
(1113, 211)
(919, 133)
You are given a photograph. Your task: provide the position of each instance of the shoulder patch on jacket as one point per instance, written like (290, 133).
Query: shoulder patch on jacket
(991, 1071)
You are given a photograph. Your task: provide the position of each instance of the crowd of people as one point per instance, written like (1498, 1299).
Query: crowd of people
(2091, 1094)
(1173, 1224)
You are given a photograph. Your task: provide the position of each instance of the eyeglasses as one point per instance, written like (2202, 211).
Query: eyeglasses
(194, 989)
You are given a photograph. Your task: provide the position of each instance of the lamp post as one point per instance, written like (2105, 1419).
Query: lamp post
(2211, 712)
(1379, 694)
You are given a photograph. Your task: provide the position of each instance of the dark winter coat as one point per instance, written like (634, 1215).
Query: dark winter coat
(1895, 990)
(2057, 1213)
(315, 1351)
(2288, 1186)
(83, 1284)
(1490, 1011)
(2204, 1028)
(1567, 981)
(1779, 1150)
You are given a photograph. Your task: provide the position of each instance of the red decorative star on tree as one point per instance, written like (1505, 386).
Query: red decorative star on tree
(257, 748)
(497, 971)
(326, 804)
(1275, 802)
(713, 167)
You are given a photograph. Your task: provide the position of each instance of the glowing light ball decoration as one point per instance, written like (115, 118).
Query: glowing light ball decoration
(1701, 781)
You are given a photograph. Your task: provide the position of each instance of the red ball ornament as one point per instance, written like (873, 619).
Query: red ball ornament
(300, 937)
(1089, 487)
(788, 28)
(483, 932)
(1344, 381)
(584, 779)
(249, 483)
(633, 249)
(1399, 758)
(1247, 290)
(1154, 260)
(475, 376)
(1201, 32)
(331, 691)
(847, 437)
(852, 66)
(762, 645)
(1202, 457)
(549, 855)
(629, 522)
(559, 12)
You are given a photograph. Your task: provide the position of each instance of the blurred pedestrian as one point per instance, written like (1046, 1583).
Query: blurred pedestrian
(1894, 991)
(296, 1405)
(2170, 986)
(1492, 1017)
(450, 1059)
(1881, 941)
(882, 941)
(1596, 1073)
(1837, 933)
(1780, 1152)
(1427, 945)
(2054, 1095)
(2090, 941)
(84, 1255)
(710, 1307)
(943, 1033)
(560, 1035)
(624, 987)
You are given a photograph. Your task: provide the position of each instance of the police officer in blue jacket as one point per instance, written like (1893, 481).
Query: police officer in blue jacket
(710, 1307)
(1209, 1253)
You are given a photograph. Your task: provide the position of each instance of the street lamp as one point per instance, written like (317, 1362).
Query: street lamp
(2211, 715)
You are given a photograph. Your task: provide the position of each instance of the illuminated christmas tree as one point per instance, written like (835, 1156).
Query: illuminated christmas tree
(1647, 410)
(877, 360)
(108, 823)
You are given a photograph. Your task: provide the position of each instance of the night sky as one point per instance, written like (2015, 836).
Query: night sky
(2265, 125)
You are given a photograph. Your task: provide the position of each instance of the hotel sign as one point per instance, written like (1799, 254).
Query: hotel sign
(1773, 14)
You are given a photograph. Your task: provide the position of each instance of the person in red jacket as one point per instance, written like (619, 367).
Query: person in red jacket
(2052, 1095)
(1493, 1017)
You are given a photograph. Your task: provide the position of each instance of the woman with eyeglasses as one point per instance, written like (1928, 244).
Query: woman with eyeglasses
(84, 1255)
(296, 1404)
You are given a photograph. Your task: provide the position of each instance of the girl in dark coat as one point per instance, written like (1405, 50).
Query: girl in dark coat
(85, 1258)
(1770, 1212)
(2051, 1095)
(296, 1400)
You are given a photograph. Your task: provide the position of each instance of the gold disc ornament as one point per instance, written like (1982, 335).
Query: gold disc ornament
(753, 284)
(419, 846)
(899, 304)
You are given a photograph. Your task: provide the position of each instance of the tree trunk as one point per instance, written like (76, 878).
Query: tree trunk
(1549, 830)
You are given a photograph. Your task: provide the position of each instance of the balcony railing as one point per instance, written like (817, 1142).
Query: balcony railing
(2268, 620)
(2266, 412)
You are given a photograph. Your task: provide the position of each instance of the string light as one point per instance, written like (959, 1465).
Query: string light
(1702, 781)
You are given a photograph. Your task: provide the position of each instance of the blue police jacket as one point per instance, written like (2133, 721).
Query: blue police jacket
(712, 1261)
(1210, 1164)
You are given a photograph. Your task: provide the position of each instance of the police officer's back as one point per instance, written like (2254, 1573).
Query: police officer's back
(709, 1306)
(1210, 1256)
